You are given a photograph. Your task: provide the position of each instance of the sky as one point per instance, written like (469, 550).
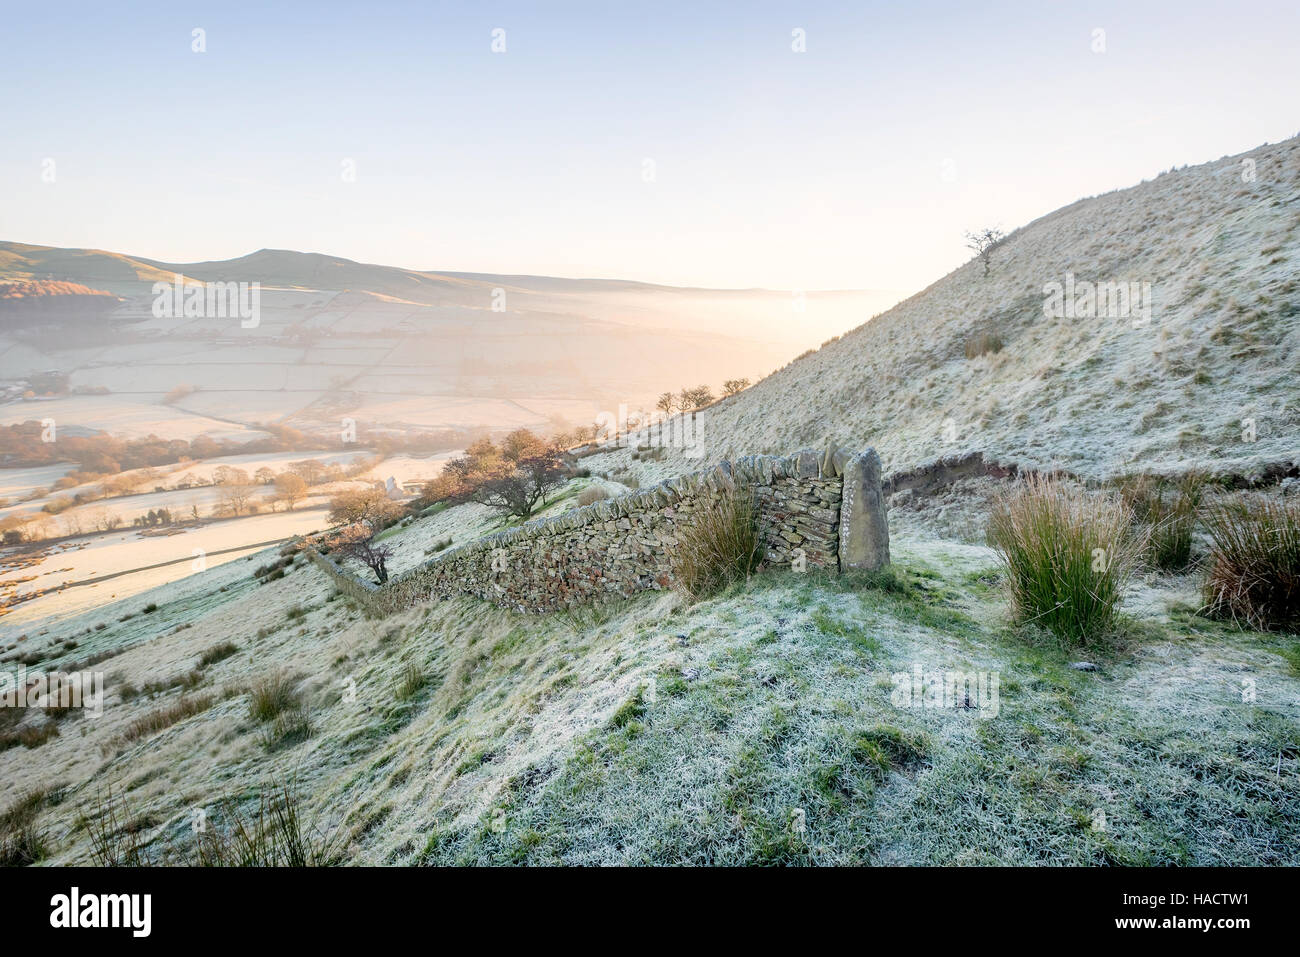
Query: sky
(678, 143)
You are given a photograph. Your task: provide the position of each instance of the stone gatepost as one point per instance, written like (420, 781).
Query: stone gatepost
(864, 526)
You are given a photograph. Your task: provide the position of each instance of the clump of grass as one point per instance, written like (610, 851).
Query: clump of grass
(275, 836)
(901, 748)
(115, 836)
(1254, 564)
(28, 737)
(981, 343)
(411, 682)
(24, 809)
(1067, 556)
(591, 495)
(888, 579)
(475, 761)
(164, 718)
(296, 613)
(1168, 510)
(288, 728)
(218, 653)
(22, 846)
(272, 696)
(21, 842)
(186, 682)
(275, 570)
(631, 710)
(718, 547)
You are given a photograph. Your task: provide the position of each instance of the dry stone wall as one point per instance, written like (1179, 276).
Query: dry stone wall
(616, 547)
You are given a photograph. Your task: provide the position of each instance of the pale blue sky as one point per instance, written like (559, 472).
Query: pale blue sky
(822, 169)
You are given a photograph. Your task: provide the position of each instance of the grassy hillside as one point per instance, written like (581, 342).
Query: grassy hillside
(657, 732)
(1094, 395)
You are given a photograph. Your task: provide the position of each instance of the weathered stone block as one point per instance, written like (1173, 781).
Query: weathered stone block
(864, 525)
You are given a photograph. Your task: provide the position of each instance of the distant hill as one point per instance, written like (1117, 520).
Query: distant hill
(671, 306)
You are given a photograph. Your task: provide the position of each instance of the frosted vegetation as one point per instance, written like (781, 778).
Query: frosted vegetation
(659, 731)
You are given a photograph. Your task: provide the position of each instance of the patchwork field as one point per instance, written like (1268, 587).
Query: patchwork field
(43, 582)
(126, 417)
(66, 573)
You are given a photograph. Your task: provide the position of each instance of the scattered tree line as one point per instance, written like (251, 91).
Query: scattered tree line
(238, 494)
(689, 400)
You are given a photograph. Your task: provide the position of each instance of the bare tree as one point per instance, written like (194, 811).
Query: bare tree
(312, 471)
(520, 491)
(226, 475)
(100, 519)
(373, 555)
(696, 398)
(983, 243)
(732, 386)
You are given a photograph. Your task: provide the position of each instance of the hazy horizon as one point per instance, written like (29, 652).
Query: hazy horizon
(858, 163)
(174, 261)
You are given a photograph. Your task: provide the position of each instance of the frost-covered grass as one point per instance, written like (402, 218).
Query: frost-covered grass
(777, 712)
(653, 731)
